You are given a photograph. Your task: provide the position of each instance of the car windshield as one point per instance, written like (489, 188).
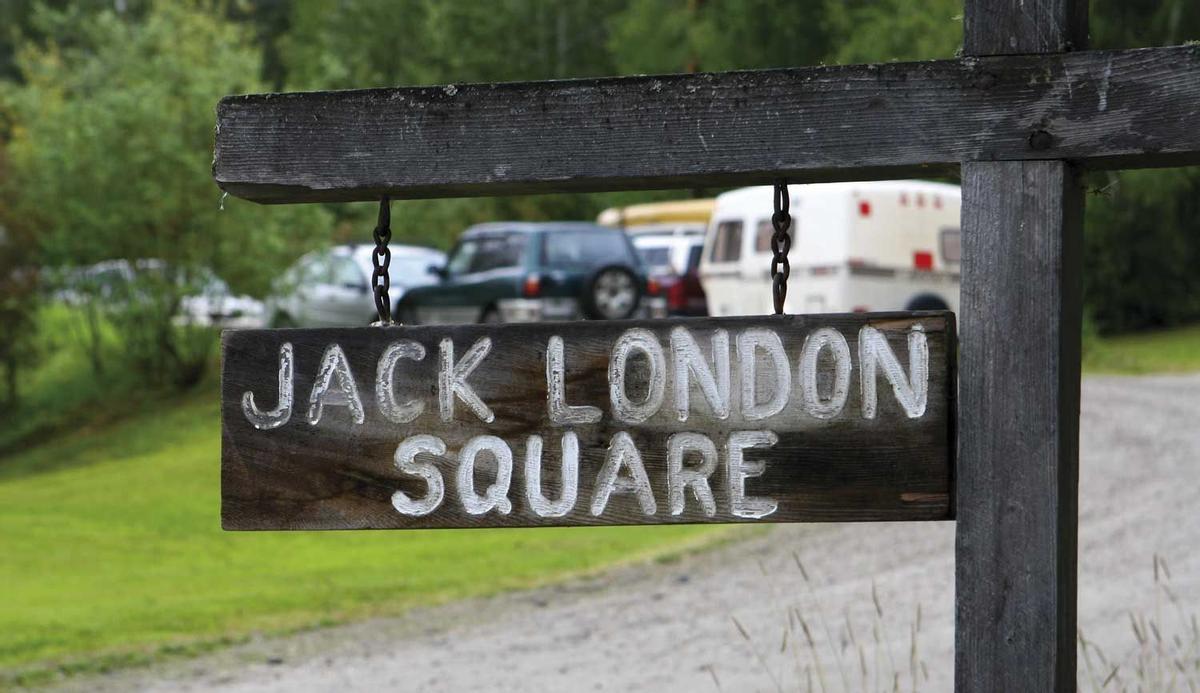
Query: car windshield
(584, 248)
(483, 253)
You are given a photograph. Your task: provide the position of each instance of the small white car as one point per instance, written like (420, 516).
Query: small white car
(860, 246)
(207, 301)
(332, 287)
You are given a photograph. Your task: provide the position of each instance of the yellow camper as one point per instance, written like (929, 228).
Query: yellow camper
(659, 216)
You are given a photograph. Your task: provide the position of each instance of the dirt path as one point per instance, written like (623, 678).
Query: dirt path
(716, 621)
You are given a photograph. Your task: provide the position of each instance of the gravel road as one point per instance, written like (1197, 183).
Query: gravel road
(716, 621)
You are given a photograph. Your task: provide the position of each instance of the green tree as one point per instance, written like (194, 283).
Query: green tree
(654, 36)
(111, 145)
(338, 45)
(18, 299)
(869, 31)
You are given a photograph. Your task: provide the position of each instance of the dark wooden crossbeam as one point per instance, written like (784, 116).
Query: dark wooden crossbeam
(1132, 108)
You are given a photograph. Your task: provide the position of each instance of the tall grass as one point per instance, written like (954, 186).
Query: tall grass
(1164, 654)
(813, 656)
(818, 653)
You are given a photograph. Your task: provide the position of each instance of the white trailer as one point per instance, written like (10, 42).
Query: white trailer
(861, 246)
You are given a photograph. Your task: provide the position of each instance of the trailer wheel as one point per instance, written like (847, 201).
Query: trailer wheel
(927, 302)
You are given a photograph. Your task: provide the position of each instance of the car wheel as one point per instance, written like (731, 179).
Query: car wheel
(927, 302)
(491, 315)
(612, 293)
(405, 315)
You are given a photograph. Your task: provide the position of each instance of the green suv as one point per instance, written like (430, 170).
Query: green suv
(525, 272)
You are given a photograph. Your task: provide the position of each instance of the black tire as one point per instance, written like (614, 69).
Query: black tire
(404, 314)
(593, 300)
(927, 302)
(491, 316)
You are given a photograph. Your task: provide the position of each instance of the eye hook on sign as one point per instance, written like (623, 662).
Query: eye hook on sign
(381, 258)
(781, 243)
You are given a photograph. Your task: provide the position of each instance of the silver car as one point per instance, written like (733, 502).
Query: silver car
(331, 288)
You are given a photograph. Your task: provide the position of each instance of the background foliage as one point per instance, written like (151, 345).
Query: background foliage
(106, 111)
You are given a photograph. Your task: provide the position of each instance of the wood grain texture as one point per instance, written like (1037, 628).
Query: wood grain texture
(341, 475)
(1009, 27)
(1130, 108)
(1019, 427)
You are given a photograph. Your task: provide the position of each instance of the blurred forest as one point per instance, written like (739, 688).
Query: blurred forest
(107, 111)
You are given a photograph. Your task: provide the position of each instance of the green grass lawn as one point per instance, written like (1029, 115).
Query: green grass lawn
(116, 554)
(1164, 351)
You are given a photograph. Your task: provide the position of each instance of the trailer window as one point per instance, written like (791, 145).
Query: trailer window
(762, 236)
(951, 245)
(727, 245)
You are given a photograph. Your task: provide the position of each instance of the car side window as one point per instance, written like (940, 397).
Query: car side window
(346, 274)
(585, 248)
(727, 244)
(498, 252)
(462, 257)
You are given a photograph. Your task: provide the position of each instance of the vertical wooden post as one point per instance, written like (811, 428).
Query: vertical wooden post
(1017, 504)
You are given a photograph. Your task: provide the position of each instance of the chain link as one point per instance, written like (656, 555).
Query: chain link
(381, 258)
(781, 243)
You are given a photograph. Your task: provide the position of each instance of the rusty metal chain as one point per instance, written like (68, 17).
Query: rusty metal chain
(781, 243)
(381, 258)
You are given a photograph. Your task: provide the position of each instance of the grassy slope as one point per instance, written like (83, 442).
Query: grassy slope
(121, 552)
(1163, 351)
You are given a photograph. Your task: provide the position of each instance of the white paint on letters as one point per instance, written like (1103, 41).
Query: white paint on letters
(912, 392)
(452, 379)
(560, 411)
(686, 357)
(266, 420)
(680, 477)
(334, 366)
(740, 470)
(748, 343)
(644, 341)
(406, 461)
(496, 495)
(810, 356)
(623, 453)
(385, 382)
(542, 506)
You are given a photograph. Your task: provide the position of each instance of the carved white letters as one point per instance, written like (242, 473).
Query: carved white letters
(343, 392)
(452, 380)
(739, 470)
(642, 341)
(542, 506)
(680, 478)
(912, 392)
(407, 462)
(814, 404)
(496, 495)
(561, 412)
(749, 342)
(622, 453)
(385, 382)
(688, 359)
(266, 420)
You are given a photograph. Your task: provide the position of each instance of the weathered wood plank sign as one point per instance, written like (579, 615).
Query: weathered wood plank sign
(776, 418)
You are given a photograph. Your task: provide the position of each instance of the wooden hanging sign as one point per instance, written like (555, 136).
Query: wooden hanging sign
(775, 418)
